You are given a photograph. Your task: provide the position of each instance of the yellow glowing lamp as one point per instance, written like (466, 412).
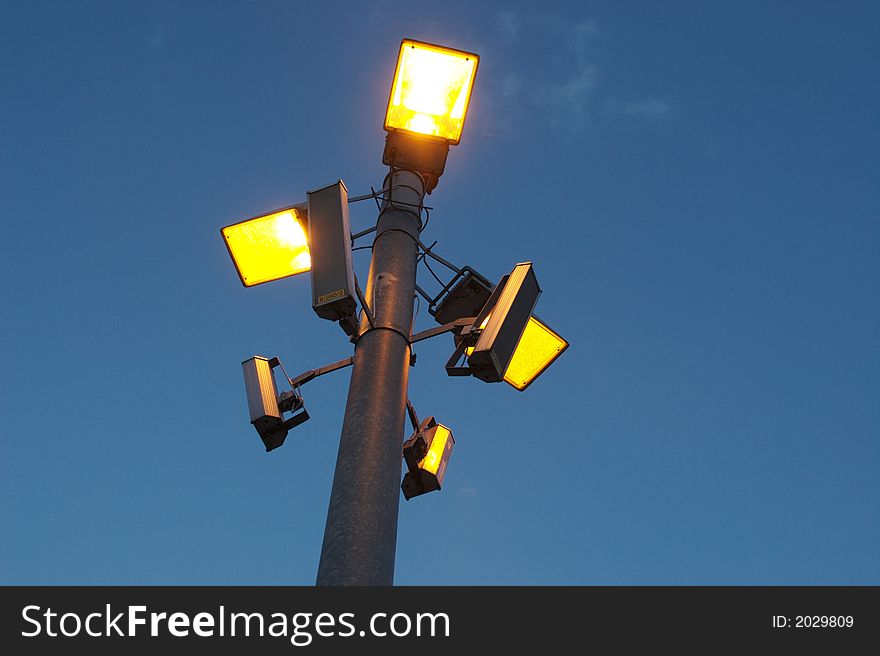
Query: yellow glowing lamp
(431, 90)
(427, 455)
(434, 459)
(538, 347)
(269, 247)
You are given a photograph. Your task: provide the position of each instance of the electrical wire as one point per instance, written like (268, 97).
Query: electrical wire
(385, 195)
(429, 250)
(376, 197)
(380, 195)
(431, 271)
(415, 316)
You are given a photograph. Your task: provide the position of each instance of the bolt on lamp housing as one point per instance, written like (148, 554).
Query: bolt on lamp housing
(270, 246)
(427, 107)
(427, 455)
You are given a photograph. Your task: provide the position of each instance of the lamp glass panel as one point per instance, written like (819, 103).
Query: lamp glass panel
(431, 90)
(431, 461)
(268, 247)
(538, 347)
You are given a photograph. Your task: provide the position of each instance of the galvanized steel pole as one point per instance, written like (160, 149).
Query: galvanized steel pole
(360, 536)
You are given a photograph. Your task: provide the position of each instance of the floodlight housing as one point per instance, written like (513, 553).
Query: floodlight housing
(502, 322)
(266, 407)
(333, 291)
(464, 299)
(427, 455)
(428, 104)
(270, 246)
(537, 349)
(431, 91)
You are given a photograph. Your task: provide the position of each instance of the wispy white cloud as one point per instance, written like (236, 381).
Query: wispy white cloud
(568, 99)
(583, 36)
(564, 84)
(468, 491)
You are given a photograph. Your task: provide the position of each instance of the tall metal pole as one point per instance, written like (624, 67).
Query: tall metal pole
(360, 536)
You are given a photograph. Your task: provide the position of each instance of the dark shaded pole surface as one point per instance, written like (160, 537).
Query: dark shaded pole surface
(360, 536)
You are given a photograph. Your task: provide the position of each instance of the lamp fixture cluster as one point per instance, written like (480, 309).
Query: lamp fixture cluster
(497, 336)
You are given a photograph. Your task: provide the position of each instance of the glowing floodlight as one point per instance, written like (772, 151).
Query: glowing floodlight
(427, 107)
(269, 247)
(502, 324)
(431, 90)
(427, 455)
(538, 348)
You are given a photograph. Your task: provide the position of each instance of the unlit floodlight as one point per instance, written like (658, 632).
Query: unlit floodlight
(333, 291)
(265, 405)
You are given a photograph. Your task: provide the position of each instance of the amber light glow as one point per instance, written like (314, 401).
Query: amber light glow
(538, 347)
(268, 247)
(431, 461)
(431, 90)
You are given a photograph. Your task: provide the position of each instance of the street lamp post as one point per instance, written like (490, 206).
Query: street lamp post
(496, 335)
(361, 530)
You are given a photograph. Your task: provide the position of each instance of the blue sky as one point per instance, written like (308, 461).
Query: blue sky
(696, 184)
